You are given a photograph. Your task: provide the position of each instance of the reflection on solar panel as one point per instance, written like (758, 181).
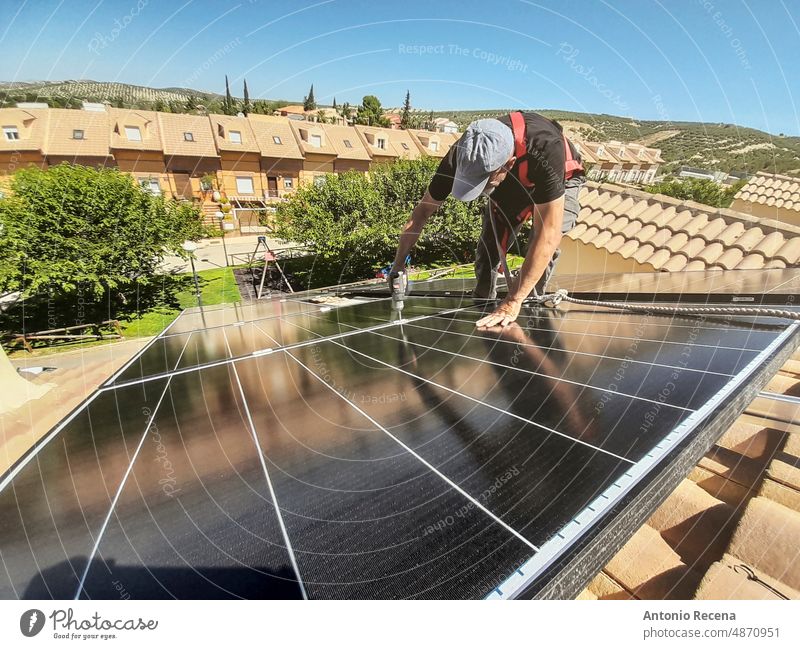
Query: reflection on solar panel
(292, 450)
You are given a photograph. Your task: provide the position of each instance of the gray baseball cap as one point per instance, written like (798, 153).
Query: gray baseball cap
(485, 146)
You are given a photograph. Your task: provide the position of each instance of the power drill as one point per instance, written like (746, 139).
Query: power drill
(398, 282)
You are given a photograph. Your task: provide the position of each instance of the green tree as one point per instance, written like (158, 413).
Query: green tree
(73, 229)
(191, 104)
(405, 117)
(228, 104)
(370, 112)
(354, 221)
(335, 107)
(246, 104)
(309, 103)
(702, 191)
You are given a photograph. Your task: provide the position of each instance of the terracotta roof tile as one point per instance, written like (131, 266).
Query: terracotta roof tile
(31, 125)
(769, 189)
(675, 235)
(173, 128)
(274, 137)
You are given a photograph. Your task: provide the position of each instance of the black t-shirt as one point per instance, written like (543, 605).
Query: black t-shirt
(546, 157)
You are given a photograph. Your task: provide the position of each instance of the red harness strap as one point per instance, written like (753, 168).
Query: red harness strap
(520, 149)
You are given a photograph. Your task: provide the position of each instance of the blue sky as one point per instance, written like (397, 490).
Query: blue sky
(700, 60)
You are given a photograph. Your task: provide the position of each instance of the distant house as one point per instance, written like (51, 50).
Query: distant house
(394, 119)
(621, 162)
(444, 125)
(771, 196)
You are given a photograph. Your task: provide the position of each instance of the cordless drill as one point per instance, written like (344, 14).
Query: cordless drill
(398, 282)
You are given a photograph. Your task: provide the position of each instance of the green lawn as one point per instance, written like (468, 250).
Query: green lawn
(217, 286)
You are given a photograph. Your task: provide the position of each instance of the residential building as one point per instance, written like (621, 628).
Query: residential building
(281, 156)
(386, 144)
(431, 143)
(771, 196)
(622, 230)
(621, 162)
(444, 125)
(351, 152)
(22, 142)
(78, 136)
(240, 174)
(190, 153)
(319, 154)
(135, 143)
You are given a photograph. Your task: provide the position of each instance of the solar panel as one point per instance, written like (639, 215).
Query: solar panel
(336, 453)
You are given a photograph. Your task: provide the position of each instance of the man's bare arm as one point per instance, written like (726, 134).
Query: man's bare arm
(548, 220)
(413, 228)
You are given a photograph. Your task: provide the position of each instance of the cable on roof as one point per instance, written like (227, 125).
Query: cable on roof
(561, 295)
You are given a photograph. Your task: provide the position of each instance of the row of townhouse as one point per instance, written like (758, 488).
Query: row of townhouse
(620, 162)
(253, 158)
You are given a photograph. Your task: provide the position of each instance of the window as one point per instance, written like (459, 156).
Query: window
(405, 145)
(381, 143)
(277, 139)
(188, 136)
(11, 132)
(244, 184)
(236, 137)
(347, 144)
(315, 140)
(151, 185)
(287, 183)
(77, 134)
(133, 133)
(434, 146)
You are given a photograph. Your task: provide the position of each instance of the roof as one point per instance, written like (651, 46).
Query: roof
(295, 109)
(145, 120)
(96, 129)
(338, 135)
(772, 189)
(423, 139)
(222, 125)
(601, 152)
(174, 125)
(675, 235)
(32, 127)
(394, 139)
(303, 131)
(266, 128)
(729, 530)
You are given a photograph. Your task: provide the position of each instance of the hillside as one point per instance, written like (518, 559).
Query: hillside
(717, 147)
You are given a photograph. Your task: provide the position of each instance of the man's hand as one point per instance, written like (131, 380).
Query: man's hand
(503, 315)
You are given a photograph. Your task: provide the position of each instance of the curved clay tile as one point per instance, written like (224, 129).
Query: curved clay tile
(578, 230)
(665, 217)
(628, 249)
(633, 227)
(789, 251)
(751, 261)
(729, 258)
(713, 229)
(619, 224)
(592, 217)
(770, 201)
(775, 263)
(676, 263)
(590, 234)
(769, 245)
(638, 209)
(659, 258)
(695, 265)
(615, 243)
(652, 211)
(711, 252)
(644, 252)
(732, 232)
(761, 199)
(661, 237)
(684, 219)
(693, 247)
(621, 207)
(602, 238)
(613, 201)
(750, 238)
(695, 224)
(646, 233)
(676, 242)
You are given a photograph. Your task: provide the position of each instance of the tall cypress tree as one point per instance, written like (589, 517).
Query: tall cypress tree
(246, 106)
(405, 118)
(308, 102)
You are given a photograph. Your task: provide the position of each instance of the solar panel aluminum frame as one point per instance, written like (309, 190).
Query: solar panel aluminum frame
(590, 541)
